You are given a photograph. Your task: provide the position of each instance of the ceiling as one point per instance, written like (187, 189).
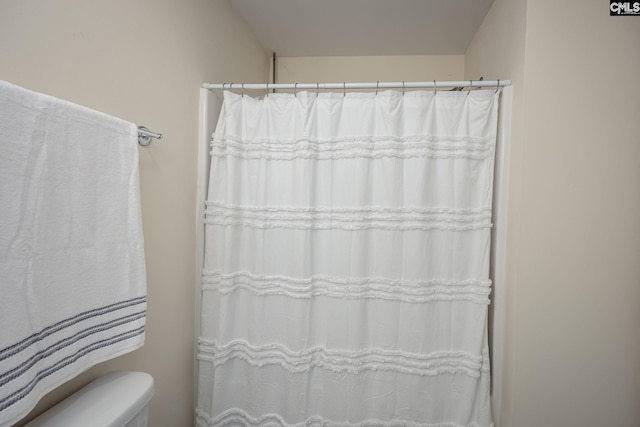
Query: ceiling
(363, 27)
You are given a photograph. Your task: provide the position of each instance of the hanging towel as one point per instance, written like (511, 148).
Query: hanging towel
(72, 269)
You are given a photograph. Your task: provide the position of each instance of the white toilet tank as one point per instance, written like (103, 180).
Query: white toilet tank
(116, 399)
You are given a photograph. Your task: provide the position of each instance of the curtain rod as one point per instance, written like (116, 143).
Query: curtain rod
(371, 85)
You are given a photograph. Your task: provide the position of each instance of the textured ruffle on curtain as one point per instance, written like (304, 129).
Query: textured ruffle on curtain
(346, 276)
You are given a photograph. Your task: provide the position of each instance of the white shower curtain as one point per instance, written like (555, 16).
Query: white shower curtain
(346, 273)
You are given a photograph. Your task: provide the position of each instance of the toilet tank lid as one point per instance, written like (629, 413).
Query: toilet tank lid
(111, 400)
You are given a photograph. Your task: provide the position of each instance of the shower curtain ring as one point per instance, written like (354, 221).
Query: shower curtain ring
(403, 87)
(435, 88)
(317, 88)
(242, 89)
(344, 88)
(498, 87)
(377, 86)
(295, 89)
(470, 84)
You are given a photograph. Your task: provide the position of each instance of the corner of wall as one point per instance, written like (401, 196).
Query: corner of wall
(497, 51)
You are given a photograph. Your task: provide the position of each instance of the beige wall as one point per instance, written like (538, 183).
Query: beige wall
(336, 69)
(579, 262)
(573, 347)
(143, 61)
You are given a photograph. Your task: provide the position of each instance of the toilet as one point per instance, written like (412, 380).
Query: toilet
(116, 399)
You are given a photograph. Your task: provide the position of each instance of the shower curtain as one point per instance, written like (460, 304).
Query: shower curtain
(346, 272)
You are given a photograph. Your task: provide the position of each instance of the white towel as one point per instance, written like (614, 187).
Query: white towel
(72, 270)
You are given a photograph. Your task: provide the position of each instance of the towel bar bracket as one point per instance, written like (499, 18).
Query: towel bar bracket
(145, 136)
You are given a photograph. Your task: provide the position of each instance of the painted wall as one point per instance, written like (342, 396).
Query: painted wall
(143, 61)
(573, 348)
(332, 69)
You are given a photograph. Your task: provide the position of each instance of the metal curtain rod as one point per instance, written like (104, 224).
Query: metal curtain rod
(145, 135)
(372, 85)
